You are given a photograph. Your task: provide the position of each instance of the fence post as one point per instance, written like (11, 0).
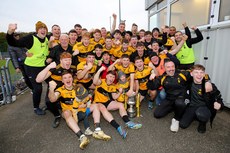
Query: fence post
(8, 75)
(3, 91)
(6, 85)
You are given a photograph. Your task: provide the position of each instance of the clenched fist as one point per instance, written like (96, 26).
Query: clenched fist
(11, 28)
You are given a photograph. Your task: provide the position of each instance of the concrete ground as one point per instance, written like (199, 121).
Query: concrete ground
(21, 131)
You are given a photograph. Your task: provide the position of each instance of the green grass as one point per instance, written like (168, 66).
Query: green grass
(11, 68)
(14, 75)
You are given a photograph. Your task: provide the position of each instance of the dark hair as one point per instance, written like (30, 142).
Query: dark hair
(105, 52)
(137, 58)
(125, 41)
(72, 31)
(198, 67)
(154, 42)
(134, 24)
(98, 46)
(16, 34)
(153, 54)
(67, 72)
(140, 44)
(142, 30)
(148, 33)
(117, 31)
(167, 60)
(90, 53)
(155, 29)
(77, 25)
(97, 31)
(125, 56)
(129, 33)
(111, 72)
(55, 25)
(108, 37)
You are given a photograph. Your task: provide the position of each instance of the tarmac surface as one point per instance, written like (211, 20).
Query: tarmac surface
(21, 131)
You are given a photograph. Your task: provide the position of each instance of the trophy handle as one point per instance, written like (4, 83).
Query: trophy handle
(138, 104)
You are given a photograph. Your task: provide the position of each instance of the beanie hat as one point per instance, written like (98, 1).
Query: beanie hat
(81, 92)
(39, 25)
(120, 74)
(153, 54)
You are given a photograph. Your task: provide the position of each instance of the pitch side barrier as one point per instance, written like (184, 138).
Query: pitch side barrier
(6, 90)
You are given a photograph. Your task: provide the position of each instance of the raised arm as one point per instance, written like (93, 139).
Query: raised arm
(82, 73)
(199, 36)
(96, 78)
(112, 66)
(178, 47)
(114, 23)
(45, 73)
(53, 96)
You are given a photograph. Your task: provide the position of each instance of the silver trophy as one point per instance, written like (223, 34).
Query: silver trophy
(131, 110)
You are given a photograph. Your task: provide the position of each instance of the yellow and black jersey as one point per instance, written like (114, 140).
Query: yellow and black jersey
(83, 50)
(169, 43)
(162, 56)
(101, 41)
(133, 49)
(56, 73)
(146, 60)
(78, 103)
(67, 98)
(90, 73)
(127, 70)
(118, 52)
(73, 44)
(123, 97)
(103, 92)
(110, 50)
(55, 42)
(143, 77)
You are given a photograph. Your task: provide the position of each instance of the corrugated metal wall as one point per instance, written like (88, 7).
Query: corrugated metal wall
(217, 49)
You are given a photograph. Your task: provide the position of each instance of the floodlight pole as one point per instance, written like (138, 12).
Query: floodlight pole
(119, 11)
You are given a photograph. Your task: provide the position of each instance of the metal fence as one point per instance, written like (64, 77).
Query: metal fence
(4, 55)
(10, 85)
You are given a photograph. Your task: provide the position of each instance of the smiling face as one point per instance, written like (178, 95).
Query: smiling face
(155, 47)
(178, 36)
(108, 43)
(97, 36)
(198, 76)
(56, 31)
(125, 62)
(140, 50)
(42, 32)
(98, 52)
(155, 60)
(170, 68)
(110, 78)
(106, 58)
(64, 41)
(198, 73)
(66, 63)
(139, 64)
(73, 37)
(67, 80)
(90, 59)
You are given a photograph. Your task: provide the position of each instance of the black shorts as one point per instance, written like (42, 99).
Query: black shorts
(87, 84)
(106, 104)
(143, 92)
